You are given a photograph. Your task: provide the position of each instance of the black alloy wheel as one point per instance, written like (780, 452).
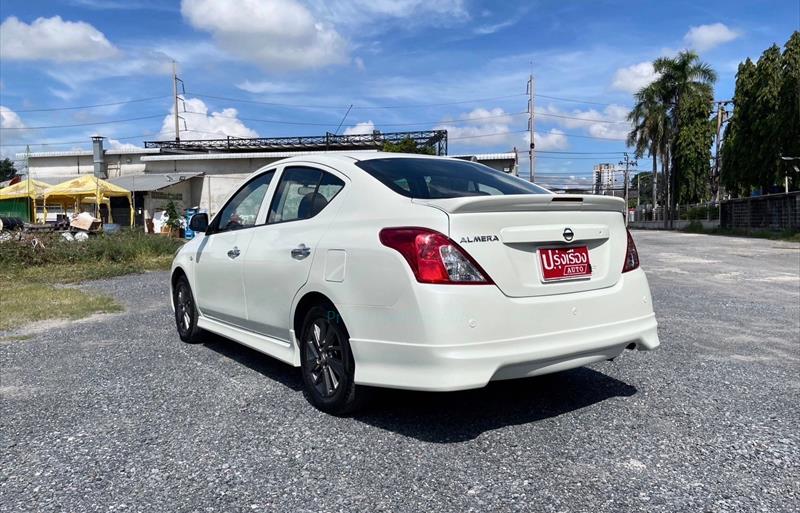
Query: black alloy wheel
(327, 363)
(185, 311)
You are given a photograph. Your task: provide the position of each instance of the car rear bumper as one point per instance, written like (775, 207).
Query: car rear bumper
(465, 340)
(463, 366)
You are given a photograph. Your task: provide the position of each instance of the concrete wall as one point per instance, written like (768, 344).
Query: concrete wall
(222, 177)
(59, 169)
(209, 167)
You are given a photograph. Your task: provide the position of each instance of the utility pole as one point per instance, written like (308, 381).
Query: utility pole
(177, 98)
(628, 163)
(722, 117)
(532, 149)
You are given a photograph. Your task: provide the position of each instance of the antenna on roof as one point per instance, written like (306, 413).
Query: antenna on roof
(336, 132)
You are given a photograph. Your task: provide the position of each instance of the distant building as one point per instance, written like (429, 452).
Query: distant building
(603, 175)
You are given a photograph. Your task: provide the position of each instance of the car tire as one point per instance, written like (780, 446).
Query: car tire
(327, 364)
(185, 312)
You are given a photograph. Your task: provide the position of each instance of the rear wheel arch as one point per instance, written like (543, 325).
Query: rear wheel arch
(306, 303)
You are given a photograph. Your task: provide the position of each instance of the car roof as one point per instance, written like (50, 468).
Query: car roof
(350, 157)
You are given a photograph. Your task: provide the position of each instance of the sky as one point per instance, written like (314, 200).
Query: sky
(293, 67)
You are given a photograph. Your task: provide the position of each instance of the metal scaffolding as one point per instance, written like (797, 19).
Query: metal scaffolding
(436, 139)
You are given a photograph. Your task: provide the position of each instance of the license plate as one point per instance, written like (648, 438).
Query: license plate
(565, 263)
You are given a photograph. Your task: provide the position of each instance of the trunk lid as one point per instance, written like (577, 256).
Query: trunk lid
(504, 234)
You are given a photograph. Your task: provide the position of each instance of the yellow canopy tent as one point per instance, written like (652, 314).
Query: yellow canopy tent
(28, 188)
(87, 186)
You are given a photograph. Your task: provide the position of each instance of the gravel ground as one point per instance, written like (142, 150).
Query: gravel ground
(114, 413)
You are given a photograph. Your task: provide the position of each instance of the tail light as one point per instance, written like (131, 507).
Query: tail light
(631, 255)
(433, 257)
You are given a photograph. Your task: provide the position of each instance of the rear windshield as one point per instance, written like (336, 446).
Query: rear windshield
(445, 178)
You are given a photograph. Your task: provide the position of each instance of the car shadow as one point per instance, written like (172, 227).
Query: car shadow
(460, 416)
(450, 417)
(261, 363)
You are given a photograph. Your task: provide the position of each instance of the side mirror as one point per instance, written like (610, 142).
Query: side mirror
(199, 223)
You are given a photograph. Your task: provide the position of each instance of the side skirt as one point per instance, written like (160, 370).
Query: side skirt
(282, 350)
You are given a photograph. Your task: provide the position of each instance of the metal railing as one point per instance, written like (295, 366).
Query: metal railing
(436, 139)
(769, 212)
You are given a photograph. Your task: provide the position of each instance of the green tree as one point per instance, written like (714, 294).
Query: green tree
(765, 123)
(650, 133)
(174, 220)
(739, 167)
(408, 145)
(670, 119)
(789, 117)
(684, 81)
(643, 183)
(7, 169)
(691, 156)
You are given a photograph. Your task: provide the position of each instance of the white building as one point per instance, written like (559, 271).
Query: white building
(157, 176)
(604, 176)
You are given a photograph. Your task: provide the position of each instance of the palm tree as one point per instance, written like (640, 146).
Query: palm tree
(655, 116)
(650, 133)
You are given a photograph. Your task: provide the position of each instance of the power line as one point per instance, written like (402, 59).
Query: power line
(585, 152)
(281, 104)
(485, 135)
(355, 107)
(306, 123)
(62, 143)
(79, 107)
(588, 120)
(44, 127)
(572, 158)
(573, 100)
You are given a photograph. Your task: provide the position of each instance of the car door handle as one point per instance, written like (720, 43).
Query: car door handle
(234, 252)
(300, 252)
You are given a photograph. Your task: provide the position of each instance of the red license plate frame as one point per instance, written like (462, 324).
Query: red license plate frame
(565, 263)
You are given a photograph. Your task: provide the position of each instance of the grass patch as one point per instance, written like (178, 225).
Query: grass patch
(15, 338)
(788, 235)
(32, 267)
(38, 302)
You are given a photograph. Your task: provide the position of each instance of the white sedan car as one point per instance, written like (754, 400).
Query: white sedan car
(412, 272)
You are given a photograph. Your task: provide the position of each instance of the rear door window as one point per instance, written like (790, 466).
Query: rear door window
(445, 178)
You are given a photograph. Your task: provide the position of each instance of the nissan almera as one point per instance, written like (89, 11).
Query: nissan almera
(413, 272)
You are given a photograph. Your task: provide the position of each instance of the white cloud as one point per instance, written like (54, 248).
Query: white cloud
(706, 37)
(482, 127)
(10, 119)
(491, 29)
(202, 125)
(75, 78)
(635, 77)
(266, 87)
(609, 123)
(359, 63)
(365, 127)
(554, 139)
(411, 12)
(53, 39)
(115, 144)
(277, 34)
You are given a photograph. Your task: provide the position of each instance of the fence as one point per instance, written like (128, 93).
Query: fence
(769, 212)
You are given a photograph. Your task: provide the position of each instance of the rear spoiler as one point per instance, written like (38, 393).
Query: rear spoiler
(526, 203)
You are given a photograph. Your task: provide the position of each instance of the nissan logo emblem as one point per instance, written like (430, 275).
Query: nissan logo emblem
(568, 234)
